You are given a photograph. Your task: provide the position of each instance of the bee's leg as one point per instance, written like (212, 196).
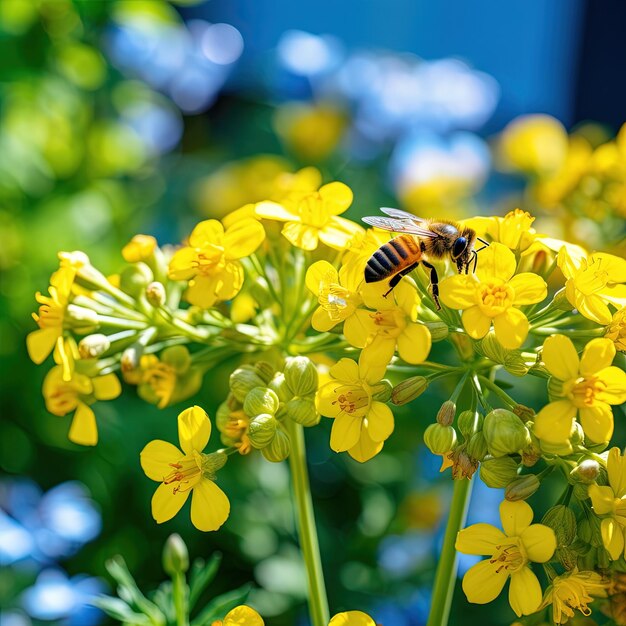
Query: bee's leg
(475, 261)
(398, 277)
(434, 283)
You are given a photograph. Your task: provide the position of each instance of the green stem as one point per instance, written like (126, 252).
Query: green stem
(445, 578)
(180, 599)
(318, 603)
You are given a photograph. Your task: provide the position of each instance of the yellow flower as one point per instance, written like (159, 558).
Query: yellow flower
(511, 552)
(336, 294)
(573, 591)
(240, 616)
(183, 472)
(139, 248)
(64, 396)
(391, 325)
(40, 343)
(314, 217)
(351, 618)
(593, 283)
(616, 330)
(491, 296)
(585, 386)
(609, 502)
(210, 261)
(362, 246)
(361, 424)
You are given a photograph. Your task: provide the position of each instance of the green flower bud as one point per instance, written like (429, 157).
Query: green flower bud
(260, 400)
(438, 330)
(567, 556)
(243, 380)
(555, 389)
(525, 413)
(515, 363)
(303, 411)
(135, 278)
(408, 390)
(445, 415)
(522, 487)
(532, 453)
(212, 463)
(93, 346)
(175, 556)
(505, 433)
(178, 357)
(222, 416)
(586, 472)
(490, 347)
(262, 430)
(129, 361)
(469, 422)
(580, 491)
(279, 386)
(463, 465)
(265, 370)
(577, 437)
(498, 473)
(82, 319)
(155, 294)
(278, 450)
(561, 302)
(477, 446)
(440, 439)
(381, 391)
(563, 522)
(301, 375)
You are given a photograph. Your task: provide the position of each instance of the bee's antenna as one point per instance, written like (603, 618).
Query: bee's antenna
(482, 241)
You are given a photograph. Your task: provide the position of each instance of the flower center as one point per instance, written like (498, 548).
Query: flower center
(390, 323)
(162, 379)
(582, 391)
(335, 299)
(352, 399)
(184, 475)
(312, 211)
(494, 298)
(50, 313)
(66, 394)
(510, 556)
(210, 260)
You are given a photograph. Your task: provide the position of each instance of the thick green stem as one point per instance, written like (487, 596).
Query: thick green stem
(180, 599)
(445, 577)
(318, 603)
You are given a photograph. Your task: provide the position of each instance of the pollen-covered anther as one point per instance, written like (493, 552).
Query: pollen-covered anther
(508, 557)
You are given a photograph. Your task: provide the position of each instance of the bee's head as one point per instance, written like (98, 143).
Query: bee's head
(463, 246)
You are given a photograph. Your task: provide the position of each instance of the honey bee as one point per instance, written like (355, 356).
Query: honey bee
(422, 240)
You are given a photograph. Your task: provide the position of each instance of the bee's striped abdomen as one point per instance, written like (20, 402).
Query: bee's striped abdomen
(392, 258)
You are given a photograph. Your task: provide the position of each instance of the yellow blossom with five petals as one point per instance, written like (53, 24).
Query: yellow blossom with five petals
(616, 330)
(211, 260)
(510, 555)
(361, 424)
(491, 296)
(586, 387)
(351, 618)
(240, 616)
(186, 471)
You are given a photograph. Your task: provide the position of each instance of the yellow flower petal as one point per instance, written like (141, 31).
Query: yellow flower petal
(194, 429)
(359, 327)
(346, 431)
(612, 266)
(379, 421)
(41, 342)
(371, 367)
(590, 306)
(483, 582)
(479, 539)
(555, 421)
(511, 328)
(243, 238)
(525, 592)
(459, 291)
(496, 261)
(337, 197)
(274, 211)
(243, 616)
(407, 297)
(182, 266)
(338, 232)
(602, 498)
(597, 355)
(319, 274)
(612, 537)
(157, 457)
(616, 469)
(166, 502)
(366, 448)
(539, 542)
(567, 263)
(529, 288)
(83, 429)
(209, 506)
(301, 235)
(613, 380)
(345, 370)
(205, 233)
(516, 517)
(380, 347)
(560, 357)
(230, 281)
(326, 400)
(597, 421)
(475, 322)
(106, 387)
(414, 343)
(321, 320)
(352, 618)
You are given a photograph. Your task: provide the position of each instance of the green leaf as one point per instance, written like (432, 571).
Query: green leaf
(120, 611)
(218, 607)
(162, 597)
(201, 576)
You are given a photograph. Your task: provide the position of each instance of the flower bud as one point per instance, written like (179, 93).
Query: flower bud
(301, 375)
(525, 413)
(279, 386)
(175, 556)
(279, 448)
(463, 465)
(265, 370)
(440, 439)
(381, 391)
(303, 411)
(262, 430)
(139, 248)
(445, 415)
(577, 437)
(92, 346)
(556, 449)
(498, 473)
(438, 330)
(408, 390)
(135, 278)
(522, 487)
(477, 446)
(490, 347)
(178, 357)
(213, 462)
(567, 557)
(532, 453)
(260, 400)
(561, 302)
(243, 380)
(469, 422)
(222, 415)
(131, 358)
(155, 294)
(586, 472)
(82, 319)
(563, 522)
(505, 433)
(515, 363)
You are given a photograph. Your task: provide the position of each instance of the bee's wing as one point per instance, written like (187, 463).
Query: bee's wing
(399, 226)
(400, 214)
